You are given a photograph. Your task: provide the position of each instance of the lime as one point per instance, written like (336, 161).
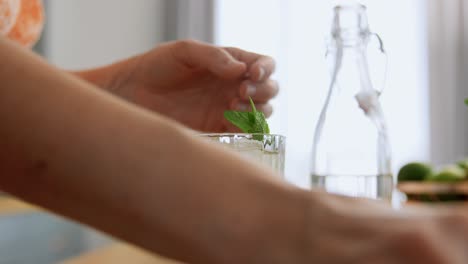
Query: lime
(451, 173)
(463, 164)
(415, 171)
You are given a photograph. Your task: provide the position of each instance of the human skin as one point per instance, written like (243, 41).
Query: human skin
(82, 153)
(191, 82)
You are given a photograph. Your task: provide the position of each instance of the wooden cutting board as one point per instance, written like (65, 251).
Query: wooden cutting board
(433, 187)
(443, 193)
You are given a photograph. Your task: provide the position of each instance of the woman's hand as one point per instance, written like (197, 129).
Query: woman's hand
(344, 230)
(193, 82)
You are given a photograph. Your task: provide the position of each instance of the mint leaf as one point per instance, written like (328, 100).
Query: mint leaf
(242, 120)
(252, 105)
(249, 122)
(261, 125)
(466, 101)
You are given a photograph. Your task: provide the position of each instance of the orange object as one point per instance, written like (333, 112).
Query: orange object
(22, 20)
(9, 10)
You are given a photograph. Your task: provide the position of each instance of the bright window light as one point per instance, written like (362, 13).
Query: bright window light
(294, 32)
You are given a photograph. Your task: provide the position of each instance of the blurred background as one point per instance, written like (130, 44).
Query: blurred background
(426, 41)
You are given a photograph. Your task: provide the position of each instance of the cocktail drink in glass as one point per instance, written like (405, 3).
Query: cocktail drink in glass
(266, 149)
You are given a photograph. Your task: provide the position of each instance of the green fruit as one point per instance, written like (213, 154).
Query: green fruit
(415, 171)
(463, 164)
(449, 174)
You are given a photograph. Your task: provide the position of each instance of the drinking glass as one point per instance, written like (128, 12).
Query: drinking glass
(266, 149)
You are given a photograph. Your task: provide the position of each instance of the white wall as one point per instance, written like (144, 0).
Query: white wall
(88, 33)
(448, 61)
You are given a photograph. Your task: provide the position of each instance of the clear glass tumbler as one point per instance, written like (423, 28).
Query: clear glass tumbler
(262, 148)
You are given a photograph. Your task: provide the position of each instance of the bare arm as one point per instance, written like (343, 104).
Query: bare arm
(110, 77)
(84, 154)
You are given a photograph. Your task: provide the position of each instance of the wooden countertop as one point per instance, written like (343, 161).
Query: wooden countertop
(9, 206)
(119, 254)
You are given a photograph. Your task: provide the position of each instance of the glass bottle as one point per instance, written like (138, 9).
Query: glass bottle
(351, 153)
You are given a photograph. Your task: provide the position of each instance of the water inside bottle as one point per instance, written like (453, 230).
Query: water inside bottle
(366, 186)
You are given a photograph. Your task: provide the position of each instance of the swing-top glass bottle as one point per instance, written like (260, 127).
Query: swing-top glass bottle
(351, 153)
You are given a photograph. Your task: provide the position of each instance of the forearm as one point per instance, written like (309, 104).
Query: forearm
(77, 151)
(109, 77)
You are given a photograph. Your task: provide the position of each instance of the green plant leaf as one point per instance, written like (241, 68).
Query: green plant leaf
(249, 122)
(252, 105)
(260, 124)
(242, 120)
(466, 101)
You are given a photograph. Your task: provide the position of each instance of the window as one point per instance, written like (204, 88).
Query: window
(293, 32)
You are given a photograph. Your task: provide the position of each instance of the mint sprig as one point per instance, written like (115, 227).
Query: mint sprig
(253, 122)
(466, 101)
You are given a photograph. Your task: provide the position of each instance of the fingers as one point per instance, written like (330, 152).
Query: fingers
(244, 105)
(245, 56)
(228, 63)
(200, 55)
(260, 67)
(233, 63)
(258, 86)
(259, 92)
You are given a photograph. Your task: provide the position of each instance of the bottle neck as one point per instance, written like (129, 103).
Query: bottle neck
(356, 43)
(350, 27)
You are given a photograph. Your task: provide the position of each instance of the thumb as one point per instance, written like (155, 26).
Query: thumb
(212, 58)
